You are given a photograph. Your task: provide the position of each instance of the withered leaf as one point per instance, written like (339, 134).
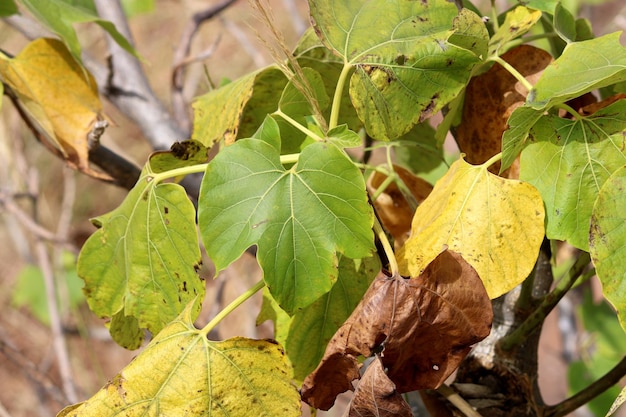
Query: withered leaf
(395, 212)
(490, 99)
(423, 327)
(377, 396)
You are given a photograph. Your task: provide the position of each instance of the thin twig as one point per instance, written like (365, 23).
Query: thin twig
(180, 106)
(457, 401)
(583, 397)
(32, 226)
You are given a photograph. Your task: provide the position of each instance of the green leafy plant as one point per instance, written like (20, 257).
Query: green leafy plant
(342, 279)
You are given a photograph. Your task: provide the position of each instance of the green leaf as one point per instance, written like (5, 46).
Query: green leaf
(7, 8)
(311, 53)
(517, 22)
(608, 240)
(312, 328)
(237, 109)
(343, 137)
(514, 138)
(546, 6)
(406, 67)
(564, 23)
(142, 261)
(418, 150)
(298, 217)
(470, 33)
(181, 373)
(568, 161)
(136, 7)
(496, 224)
(60, 16)
(583, 67)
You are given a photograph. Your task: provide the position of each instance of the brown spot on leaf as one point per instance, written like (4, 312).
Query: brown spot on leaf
(428, 110)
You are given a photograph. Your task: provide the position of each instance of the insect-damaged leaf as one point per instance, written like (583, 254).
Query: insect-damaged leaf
(140, 267)
(59, 95)
(406, 66)
(496, 224)
(181, 373)
(424, 327)
(568, 161)
(376, 395)
(608, 241)
(299, 217)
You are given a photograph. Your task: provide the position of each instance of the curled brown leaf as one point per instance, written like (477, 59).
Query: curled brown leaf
(423, 327)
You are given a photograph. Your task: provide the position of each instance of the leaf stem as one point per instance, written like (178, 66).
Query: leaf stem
(232, 306)
(494, 16)
(291, 158)
(192, 169)
(519, 77)
(570, 110)
(493, 160)
(341, 82)
(458, 401)
(380, 233)
(547, 305)
(583, 397)
(298, 126)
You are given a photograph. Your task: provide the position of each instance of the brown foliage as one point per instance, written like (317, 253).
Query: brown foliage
(423, 327)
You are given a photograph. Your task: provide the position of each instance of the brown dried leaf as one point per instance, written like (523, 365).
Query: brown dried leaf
(394, 211)
(376, 395)
(490, 99)
(423, 326)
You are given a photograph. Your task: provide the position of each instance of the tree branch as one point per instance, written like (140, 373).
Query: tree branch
(180, 106)
(583, 397)
(126, 85)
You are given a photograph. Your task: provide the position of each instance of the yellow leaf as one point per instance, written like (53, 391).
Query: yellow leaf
(59, 94)
(181, 373)
(496, 224)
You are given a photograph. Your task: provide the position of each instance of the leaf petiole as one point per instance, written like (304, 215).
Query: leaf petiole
(493, 160)
(298, 126)
(231, 307)
(177, 172)
(519, 77)
(570, 111)
(380, 233)
(341, 82)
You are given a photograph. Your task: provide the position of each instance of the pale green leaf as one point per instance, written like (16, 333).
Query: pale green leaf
(406, 69)
(608, 240)
(496, 224)
(237, 109)
(514, 138)
(60, 16)
(470, 33)
(568, 161)
(299, 218)
(311, 329)
(583, 67)
(343, 137)
(546, 6)
(181, 374)
(142, 261)
(517, 22)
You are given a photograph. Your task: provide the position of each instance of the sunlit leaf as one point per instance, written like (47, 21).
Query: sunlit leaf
(608, 240)
(422, 327)
(60, 16)
(583, 67)
(343, 137)
(405, 67)
(568, 161)
(496, 224)
(239, 105)
(312, 328)
(514, 139)
(470, 33)
(517, 22)
(181, 154)
(181, 373)
(60, 96)
(619, 401)
(299, 218)
(142, 262)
